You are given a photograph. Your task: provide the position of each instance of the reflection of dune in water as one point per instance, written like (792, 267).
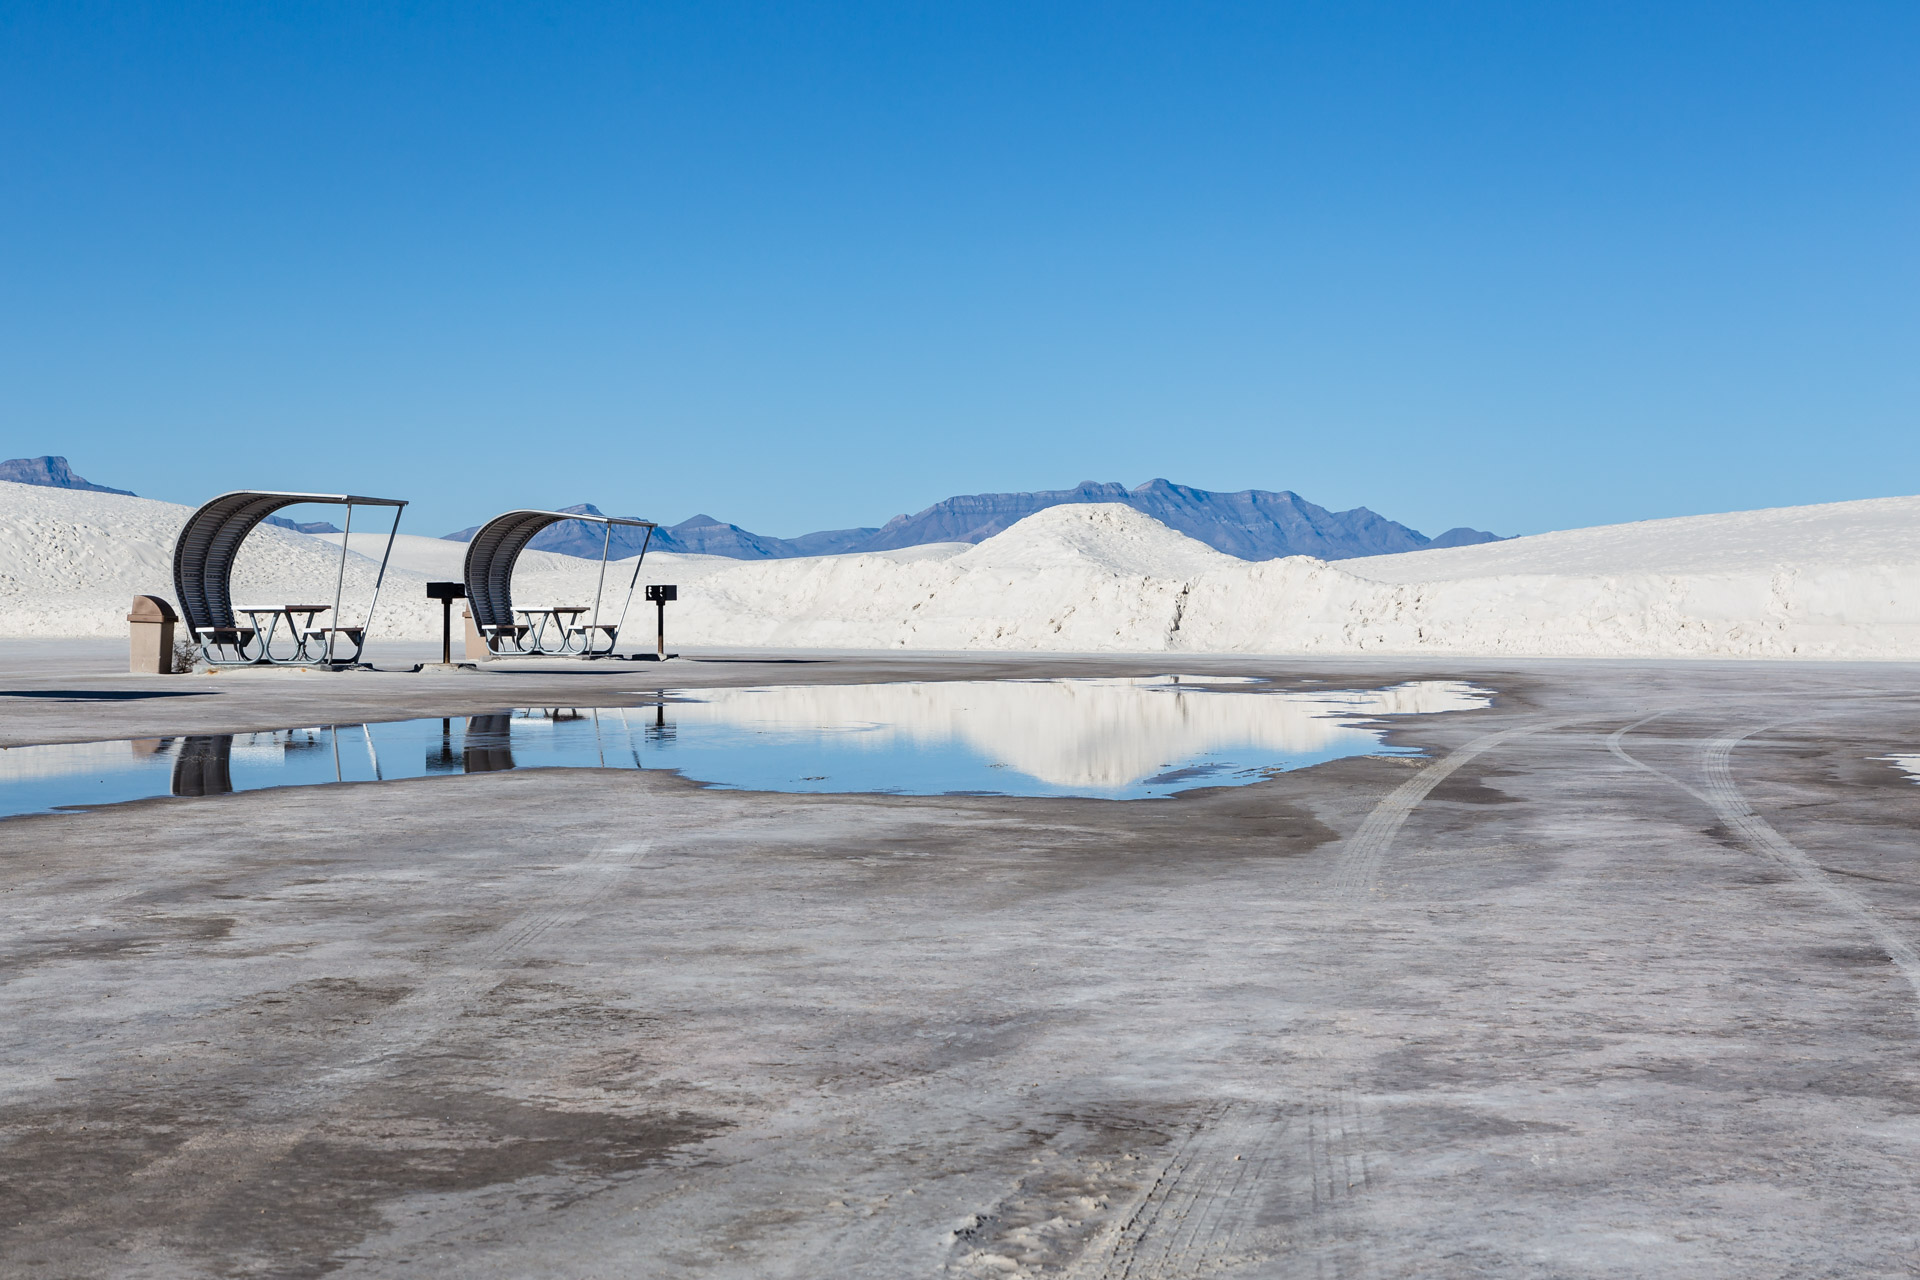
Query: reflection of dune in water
(1907, 764)
(1098, 733)
(65, 759)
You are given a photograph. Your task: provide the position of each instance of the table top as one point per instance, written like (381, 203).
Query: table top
(283, 608)
(554, 608)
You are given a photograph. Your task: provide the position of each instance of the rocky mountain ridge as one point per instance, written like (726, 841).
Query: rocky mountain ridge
(1252, 524)
(54, 473)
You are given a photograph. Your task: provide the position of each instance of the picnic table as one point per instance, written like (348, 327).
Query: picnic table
(298, 632)
(538, 619)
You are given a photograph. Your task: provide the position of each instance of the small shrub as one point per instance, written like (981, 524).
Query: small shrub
(186, 656)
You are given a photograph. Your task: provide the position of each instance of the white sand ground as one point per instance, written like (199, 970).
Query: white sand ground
(1835, 581)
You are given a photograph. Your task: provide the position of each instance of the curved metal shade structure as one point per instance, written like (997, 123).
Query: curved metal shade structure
(204, 553)
(498, 544)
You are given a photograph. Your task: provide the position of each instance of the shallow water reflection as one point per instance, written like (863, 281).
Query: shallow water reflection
(1116, 739)
(1135, 737)
(1908, 764)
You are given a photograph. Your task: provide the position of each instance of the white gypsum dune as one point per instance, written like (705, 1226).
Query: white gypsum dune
(1838, 580)
(71, 561)
(1835, 581)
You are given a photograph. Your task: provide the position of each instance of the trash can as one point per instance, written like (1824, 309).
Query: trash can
(477, 647)
(150, 636)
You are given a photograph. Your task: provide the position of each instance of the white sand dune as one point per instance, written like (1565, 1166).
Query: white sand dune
(71, 562)
(1835, 581)
(1839, 580)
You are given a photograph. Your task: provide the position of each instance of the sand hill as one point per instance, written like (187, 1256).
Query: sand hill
(1834, 581)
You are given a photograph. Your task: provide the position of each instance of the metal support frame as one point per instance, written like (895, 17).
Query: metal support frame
(491, 556)
(203, 559)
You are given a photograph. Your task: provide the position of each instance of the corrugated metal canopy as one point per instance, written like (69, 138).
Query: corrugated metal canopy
(203, 554)
(491, 556)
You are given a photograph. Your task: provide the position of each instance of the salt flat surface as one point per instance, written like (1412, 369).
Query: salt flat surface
(1841, 580)
(1556, 1016)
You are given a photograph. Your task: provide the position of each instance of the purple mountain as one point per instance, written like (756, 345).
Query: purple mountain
(1254, 524)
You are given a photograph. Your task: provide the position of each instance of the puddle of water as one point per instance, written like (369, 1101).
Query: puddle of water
(1907, 764)
(1121, 739)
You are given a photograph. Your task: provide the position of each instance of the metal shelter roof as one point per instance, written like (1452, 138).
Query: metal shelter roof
(203, 555)
(491, 555)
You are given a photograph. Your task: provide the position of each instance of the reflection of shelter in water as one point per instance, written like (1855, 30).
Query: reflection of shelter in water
(443, 758)
(203, 766)
(489, 743)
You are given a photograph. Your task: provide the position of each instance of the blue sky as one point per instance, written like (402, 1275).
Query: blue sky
(1520, 266)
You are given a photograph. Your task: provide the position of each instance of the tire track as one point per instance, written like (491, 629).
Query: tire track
(1197, 1216)
(444, 996)
(1338, 1143)
(1725, 797)
(1360, 859)
(1616, 743)
(1250, 1185)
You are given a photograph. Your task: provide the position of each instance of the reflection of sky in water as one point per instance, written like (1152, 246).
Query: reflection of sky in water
(1119, 739)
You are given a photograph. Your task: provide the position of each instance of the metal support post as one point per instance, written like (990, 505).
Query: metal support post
(661, 593)
(446, 593)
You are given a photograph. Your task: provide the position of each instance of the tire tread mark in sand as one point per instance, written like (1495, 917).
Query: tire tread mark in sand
(1616, 743)
(1186, 1222)
(1362, 854)
(1340, 1168)
(444, 996)
(1724, 795)
(1199, 1216)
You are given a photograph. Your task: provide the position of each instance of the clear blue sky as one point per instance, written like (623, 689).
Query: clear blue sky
(1521, 266)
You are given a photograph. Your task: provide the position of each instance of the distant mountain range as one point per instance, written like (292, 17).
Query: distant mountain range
(1253, 524)
(306, 526)
(54, 473)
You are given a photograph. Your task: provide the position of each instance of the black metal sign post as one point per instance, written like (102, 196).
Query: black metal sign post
(660, 594)
(446, 593)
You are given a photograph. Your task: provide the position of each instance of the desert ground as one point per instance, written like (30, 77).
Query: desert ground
(1616, 978)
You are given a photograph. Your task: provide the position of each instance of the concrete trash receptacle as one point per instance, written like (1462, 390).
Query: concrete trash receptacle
(150, 636)
(477, 647)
